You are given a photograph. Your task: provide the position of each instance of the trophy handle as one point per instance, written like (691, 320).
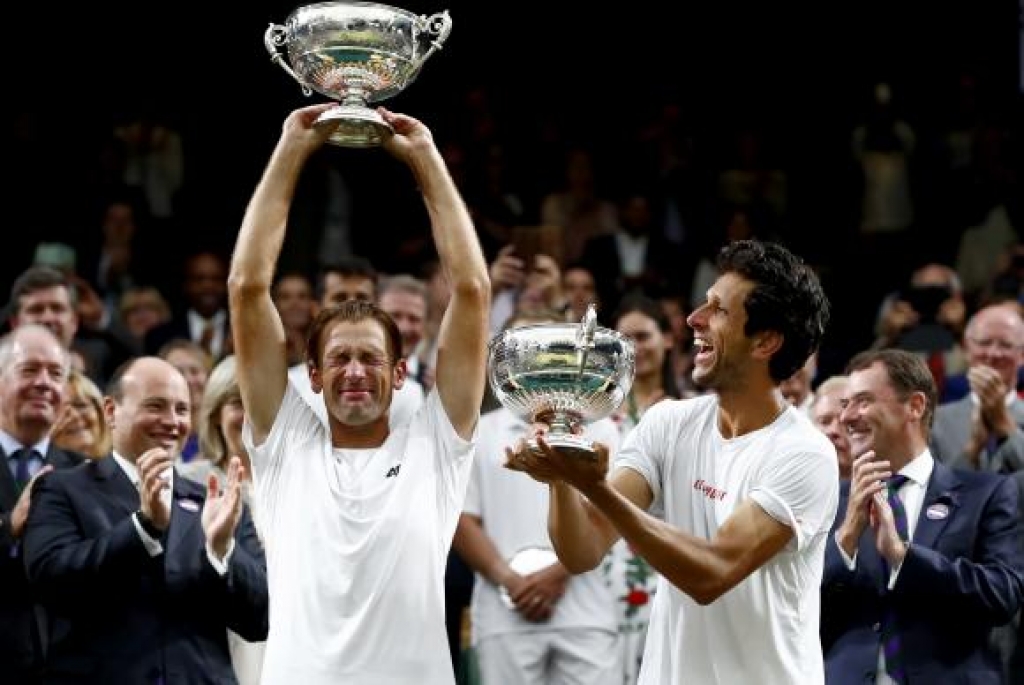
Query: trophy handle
(435, 28)
(278, 35)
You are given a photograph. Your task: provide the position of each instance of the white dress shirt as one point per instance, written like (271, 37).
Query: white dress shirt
(911, 493)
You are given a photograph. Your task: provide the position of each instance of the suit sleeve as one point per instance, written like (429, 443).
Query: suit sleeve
(1009, 457)
(62, 564)
(991, 583)
(243, 589)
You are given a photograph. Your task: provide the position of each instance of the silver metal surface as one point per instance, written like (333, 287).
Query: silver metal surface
(563, 375)
(358, 53)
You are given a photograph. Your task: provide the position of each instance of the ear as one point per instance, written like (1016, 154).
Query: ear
(917, 402)
(401, 372)
(108, 410)
(316, 381)
(766, 344)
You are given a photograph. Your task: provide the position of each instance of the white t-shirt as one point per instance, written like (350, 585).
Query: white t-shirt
(405, 401)
(764, 630)
(356, 543)
(514, 511)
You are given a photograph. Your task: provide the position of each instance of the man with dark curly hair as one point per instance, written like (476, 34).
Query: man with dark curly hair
(729, 495)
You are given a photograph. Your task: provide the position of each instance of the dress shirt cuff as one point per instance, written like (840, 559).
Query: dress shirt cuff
(153, 546)
(851, 562)
(220, 566)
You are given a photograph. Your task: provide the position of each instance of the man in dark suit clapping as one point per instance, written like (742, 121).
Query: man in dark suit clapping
(146, 570)
(33, 371)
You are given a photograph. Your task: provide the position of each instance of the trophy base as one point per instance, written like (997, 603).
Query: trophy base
(571, 446)
(359, 127)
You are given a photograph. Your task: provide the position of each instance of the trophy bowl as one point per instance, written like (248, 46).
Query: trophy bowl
(357, 53)
(562, 375)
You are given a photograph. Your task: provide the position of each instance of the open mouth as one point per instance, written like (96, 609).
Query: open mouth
(703, 348)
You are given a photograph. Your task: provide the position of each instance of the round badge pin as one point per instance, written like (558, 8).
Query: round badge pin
(937, 512)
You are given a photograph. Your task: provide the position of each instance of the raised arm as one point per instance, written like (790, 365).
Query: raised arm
(259, 337)
(462, 341)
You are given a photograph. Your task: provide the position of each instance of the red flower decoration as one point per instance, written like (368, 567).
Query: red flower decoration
(637, 598)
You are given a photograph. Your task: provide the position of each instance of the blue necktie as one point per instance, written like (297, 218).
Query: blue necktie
(890, 632)
(22, 462)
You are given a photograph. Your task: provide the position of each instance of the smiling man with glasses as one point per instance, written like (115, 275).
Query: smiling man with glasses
(982, 431)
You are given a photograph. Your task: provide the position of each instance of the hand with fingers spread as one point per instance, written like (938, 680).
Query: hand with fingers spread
(223, 508)
(867, 479)
(156, 467)
(20, 512)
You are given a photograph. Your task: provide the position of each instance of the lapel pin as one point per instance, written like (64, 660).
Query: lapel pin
(188, 505)
(937, 512)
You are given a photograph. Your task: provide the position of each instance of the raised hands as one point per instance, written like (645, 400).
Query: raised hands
(223, 508)
(867, 481)
(156, 468)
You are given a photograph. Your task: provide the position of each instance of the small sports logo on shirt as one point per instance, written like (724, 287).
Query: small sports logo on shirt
(393, 471)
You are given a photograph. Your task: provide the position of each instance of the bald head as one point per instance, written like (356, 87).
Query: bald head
(148, 406)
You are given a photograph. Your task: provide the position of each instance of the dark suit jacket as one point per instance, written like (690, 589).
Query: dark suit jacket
(178, 328)
(22, 633)
(659, 275)
(129, 617)
(962, 576)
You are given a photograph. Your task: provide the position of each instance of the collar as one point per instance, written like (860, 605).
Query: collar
(10, 444)
(128, 467)
(196, 320)
(920, 468)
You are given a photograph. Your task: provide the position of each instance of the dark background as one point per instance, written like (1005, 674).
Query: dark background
(802, 72)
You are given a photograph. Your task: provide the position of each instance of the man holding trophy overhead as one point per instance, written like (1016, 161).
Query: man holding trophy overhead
(746, 487)
(357, 519)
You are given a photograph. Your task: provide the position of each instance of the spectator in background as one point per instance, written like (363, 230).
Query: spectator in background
(797, 389)
(81, 426)
(33, 371)
(194, 364)
(982, 431)
(825, 410)
(293, 297)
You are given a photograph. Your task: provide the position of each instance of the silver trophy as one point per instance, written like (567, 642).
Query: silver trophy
(358, 53)
(562, 375)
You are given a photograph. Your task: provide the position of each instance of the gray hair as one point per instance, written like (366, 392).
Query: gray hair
(8, 341)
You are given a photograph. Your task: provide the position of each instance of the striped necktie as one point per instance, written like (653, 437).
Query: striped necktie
(890, 632)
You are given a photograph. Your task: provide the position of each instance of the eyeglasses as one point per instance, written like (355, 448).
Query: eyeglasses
(991, 343)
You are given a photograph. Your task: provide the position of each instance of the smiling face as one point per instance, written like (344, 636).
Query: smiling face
(722, 358)
(825, 414)
(358, 374)
(874, 416)
(32, 384)
(153, 409)
(650, 343)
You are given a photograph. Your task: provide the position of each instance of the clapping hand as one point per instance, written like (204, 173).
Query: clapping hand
(222, 509)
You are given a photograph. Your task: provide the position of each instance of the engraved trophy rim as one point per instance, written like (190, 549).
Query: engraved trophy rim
(350, 3)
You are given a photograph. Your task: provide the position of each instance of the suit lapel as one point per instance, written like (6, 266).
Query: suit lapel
(939, 506)
(114, 484)
(8, 490)
(186, 508)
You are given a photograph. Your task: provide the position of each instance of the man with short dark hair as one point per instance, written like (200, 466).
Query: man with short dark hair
(357, 516)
